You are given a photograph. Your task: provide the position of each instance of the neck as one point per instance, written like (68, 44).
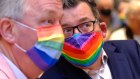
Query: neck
(6, 49)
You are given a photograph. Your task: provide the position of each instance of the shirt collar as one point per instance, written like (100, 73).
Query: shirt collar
(104, 57)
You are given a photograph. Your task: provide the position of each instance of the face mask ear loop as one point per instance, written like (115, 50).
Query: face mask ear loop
(20, 47)
(25, 26)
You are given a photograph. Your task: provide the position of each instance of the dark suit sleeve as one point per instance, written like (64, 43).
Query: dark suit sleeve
(64, 70)
(53, 73)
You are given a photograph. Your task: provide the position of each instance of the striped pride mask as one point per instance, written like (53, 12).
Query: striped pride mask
(83, 49)
(48, 48)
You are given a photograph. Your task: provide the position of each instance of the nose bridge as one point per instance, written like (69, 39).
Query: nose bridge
(76, 31)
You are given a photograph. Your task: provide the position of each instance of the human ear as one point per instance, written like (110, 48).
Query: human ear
(103, 28)
(6, 30)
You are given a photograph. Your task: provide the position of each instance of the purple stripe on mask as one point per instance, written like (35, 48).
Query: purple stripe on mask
(37, 59)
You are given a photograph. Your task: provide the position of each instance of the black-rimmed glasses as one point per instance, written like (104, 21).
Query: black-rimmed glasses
(82, 28)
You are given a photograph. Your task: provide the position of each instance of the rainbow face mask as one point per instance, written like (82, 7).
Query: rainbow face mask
(47, 49)
(83, 49)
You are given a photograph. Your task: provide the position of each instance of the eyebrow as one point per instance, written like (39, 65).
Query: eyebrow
(83, 19)
(63, 25)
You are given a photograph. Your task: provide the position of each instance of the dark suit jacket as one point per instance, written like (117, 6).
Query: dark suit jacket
(123, 61)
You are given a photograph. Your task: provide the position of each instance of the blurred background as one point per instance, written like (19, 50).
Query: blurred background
(122, 18)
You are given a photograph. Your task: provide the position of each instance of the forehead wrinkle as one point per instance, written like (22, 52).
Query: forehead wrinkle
(41, 5)
(51, 9)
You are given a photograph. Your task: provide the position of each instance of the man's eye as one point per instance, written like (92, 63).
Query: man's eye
(51, 21)
(47, 22)
(85, 25)
(67, 30)
(88, 25)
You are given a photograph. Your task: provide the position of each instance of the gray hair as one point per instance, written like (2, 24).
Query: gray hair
(12, 8)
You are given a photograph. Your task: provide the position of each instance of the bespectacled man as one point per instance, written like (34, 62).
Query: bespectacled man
(85, 55)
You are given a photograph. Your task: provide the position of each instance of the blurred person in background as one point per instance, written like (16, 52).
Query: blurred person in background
(122, 8)
(132, 28)
(85, 55)
(31, 37)
(108, 14)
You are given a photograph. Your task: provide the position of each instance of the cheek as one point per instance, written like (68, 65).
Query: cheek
(26, 38)
(97, 27)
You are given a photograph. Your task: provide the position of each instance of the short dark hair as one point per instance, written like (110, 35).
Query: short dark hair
(67, 4)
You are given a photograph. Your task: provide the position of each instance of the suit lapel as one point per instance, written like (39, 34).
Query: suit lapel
(117, 62)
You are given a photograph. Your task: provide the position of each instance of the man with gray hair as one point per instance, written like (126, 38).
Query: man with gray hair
(29, 41)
